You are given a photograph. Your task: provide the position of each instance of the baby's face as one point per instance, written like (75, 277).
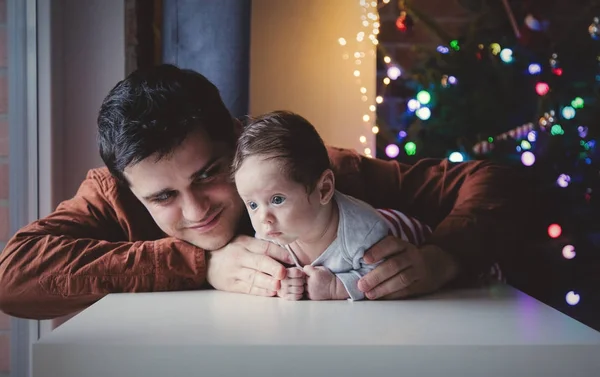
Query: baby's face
(280, 209)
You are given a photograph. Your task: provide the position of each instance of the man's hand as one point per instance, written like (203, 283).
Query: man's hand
(322, 284)
(292, 287)
(407, 271)
(247, 265)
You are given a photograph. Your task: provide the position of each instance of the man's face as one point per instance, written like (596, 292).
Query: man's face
(189, 193)
(280, 209)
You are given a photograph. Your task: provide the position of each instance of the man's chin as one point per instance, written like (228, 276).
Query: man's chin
(211, 243)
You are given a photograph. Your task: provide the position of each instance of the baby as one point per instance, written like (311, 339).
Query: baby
(283, 174)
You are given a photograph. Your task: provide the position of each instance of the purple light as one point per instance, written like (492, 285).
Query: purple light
(452, 80)
(402, 134)
(413, 105)
(443, 49)
(532, 136)
(392, 150)
(394, 72)
(528, 158)
(569, 252)
(563, 180)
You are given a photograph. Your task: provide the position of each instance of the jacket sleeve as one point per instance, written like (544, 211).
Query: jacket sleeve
(476, 209)
(63, 263)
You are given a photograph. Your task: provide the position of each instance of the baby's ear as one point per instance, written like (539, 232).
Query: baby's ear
(326, 186)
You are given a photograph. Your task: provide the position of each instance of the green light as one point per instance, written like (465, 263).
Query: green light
(577, 103)
(454, 45)
(410, 148)
(525, 145)
(424, 97)
(490, 139)
(557, 130)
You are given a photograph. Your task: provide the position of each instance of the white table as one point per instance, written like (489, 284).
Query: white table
(496, 331)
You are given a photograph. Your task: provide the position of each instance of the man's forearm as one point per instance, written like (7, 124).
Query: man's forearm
(45, 276)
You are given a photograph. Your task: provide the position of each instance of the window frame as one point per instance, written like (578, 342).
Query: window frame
(23, 156)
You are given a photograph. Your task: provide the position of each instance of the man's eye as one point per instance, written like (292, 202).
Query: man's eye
(163, 198)
(278, 199)
(209, 174)
(204, 176)
(252, 205)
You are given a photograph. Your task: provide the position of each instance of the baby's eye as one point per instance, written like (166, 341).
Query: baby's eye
(252, 205)
(278, 199)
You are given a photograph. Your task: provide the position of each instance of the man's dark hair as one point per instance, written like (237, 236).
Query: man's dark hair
(287, 137)
(152, 111)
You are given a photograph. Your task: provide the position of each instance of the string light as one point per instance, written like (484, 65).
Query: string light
(370, 24)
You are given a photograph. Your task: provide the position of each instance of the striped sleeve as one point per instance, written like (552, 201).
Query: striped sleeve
(405, 227)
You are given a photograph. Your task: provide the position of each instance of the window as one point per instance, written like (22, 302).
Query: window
(18, 158)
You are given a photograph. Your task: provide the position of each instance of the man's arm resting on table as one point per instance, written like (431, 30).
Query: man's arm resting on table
(63, 263)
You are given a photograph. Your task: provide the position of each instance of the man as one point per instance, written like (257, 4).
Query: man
(164, 214)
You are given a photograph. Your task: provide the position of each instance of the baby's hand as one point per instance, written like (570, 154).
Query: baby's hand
(292, 287)
(322, 284)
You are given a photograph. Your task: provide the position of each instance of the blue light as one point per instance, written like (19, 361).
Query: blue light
(568, 112)
(456, 157)
(534, 68)
(506, 55)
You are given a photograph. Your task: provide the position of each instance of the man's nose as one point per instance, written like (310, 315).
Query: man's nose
(196, 206)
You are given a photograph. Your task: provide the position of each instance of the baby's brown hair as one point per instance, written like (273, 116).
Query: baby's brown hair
(288, 137)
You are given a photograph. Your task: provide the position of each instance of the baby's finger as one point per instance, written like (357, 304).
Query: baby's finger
(294, 282)
(294, 272)
(295, 290)
(293, 297)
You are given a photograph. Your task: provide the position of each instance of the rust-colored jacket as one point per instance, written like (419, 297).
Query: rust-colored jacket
(104, 241)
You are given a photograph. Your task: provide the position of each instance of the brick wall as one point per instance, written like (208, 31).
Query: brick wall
(4, 221)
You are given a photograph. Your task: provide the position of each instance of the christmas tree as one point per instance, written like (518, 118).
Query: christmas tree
(519, 84)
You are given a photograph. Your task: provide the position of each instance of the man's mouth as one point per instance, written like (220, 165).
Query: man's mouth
(209, 223)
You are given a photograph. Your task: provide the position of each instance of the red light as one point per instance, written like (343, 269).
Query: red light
(557, 71)
(400, 24)
(554, 231)
(542, 88)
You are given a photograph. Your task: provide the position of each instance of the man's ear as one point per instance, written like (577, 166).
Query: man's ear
(326, 186)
